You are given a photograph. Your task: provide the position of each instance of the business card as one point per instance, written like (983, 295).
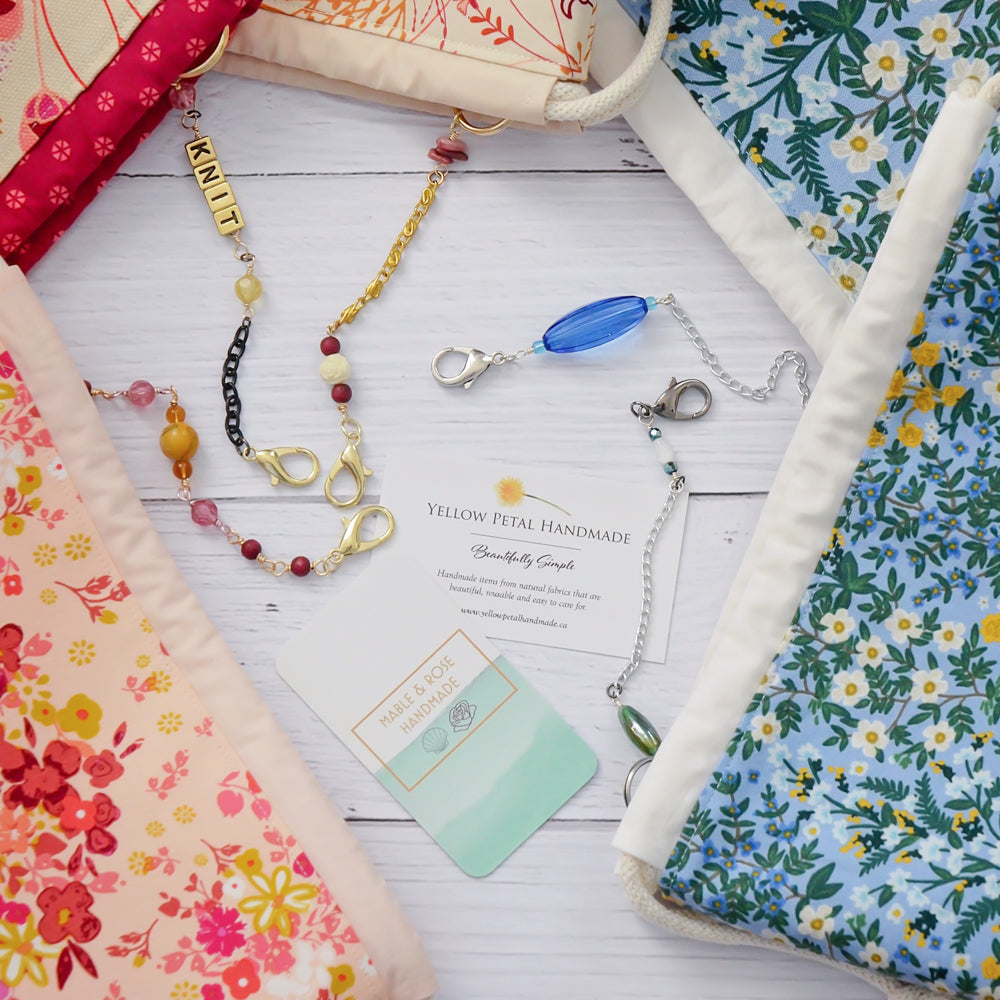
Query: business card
(436, 713)
(538, 555)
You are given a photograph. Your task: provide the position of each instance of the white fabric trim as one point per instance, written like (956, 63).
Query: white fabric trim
(795, 524)
(706, 168)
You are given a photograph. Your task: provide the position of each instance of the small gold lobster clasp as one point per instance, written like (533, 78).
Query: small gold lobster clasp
(349, 461)
(270, 460)
(352, 543)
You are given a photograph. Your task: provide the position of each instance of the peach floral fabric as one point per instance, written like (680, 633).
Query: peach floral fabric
(140, 858)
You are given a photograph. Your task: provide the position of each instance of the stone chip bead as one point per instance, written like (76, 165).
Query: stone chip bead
(334, 368)
(248, 288)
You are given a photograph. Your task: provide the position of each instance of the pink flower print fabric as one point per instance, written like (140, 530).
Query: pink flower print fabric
(141, 858)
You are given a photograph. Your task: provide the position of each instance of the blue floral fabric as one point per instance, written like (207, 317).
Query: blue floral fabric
(856, 811)
(829, 103)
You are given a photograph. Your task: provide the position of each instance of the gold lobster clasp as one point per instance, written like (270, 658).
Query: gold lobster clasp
(352, 543)
(270, 460)
(349, 461)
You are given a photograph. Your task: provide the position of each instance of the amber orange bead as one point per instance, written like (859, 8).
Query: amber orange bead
(175, 414)
(182, 470)
(179, 442)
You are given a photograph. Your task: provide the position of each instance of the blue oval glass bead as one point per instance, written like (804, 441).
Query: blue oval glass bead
(595, 324)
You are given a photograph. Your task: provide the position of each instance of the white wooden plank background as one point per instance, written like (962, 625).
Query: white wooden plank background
(531, 227)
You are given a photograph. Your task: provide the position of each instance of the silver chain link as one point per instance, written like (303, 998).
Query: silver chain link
(760, 393)
(617, 687)
(499, 358)
(645, 415)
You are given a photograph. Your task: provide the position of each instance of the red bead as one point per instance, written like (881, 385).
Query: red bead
(250, 549)
(90, 388)
(300, 566)
(445, 159)
(329, 345)
(341, 393)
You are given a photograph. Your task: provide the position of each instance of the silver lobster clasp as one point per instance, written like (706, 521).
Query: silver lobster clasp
(668, 405)
(476, 362)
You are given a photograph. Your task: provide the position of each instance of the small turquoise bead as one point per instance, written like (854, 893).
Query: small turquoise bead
(670, 468)
(651, 302)
(639, 729)
(538, 347)
(654, 433)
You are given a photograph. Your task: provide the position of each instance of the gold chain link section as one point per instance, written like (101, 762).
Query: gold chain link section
(434, 180)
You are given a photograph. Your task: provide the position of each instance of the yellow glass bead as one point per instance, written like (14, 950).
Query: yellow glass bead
(175, 414)
(182, 470)
(179, 442)
(248, 288)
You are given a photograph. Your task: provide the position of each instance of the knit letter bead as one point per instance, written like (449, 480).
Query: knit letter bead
(334, 368)
(179, 442)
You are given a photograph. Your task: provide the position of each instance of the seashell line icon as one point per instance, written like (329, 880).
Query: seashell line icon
(435, 740)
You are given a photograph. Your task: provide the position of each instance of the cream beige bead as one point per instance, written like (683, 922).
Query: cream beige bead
(335, 369)
(248, 288)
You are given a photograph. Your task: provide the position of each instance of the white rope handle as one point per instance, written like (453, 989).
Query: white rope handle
(572, 102)
(991, 91)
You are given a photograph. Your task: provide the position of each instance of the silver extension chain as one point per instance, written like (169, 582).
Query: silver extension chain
(759, 393)
(617, 687)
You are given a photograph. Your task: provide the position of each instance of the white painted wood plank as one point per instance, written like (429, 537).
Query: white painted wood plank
(258, 615)
(552, 922)
(500, 258)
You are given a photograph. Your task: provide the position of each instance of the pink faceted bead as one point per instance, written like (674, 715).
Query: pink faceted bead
(204, 512)
(141, 393)
(183, 97)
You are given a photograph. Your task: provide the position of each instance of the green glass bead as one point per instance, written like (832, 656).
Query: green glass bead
(639, 729)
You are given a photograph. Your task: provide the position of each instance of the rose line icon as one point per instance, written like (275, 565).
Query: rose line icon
(461, 716)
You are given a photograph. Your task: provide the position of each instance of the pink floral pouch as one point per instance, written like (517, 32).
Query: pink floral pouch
(159, 835)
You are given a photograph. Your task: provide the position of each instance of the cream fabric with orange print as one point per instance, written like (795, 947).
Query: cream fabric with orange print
(49, 53)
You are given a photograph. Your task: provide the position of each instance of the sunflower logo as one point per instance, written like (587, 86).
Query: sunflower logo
(510, 492)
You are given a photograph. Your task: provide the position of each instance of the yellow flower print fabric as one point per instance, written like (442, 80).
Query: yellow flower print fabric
(140, 858)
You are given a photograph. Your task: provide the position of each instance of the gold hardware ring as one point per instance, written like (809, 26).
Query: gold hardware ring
(498, 126)
(210, 62)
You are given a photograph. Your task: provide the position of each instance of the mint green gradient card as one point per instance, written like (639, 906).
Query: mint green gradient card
(437, 714)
